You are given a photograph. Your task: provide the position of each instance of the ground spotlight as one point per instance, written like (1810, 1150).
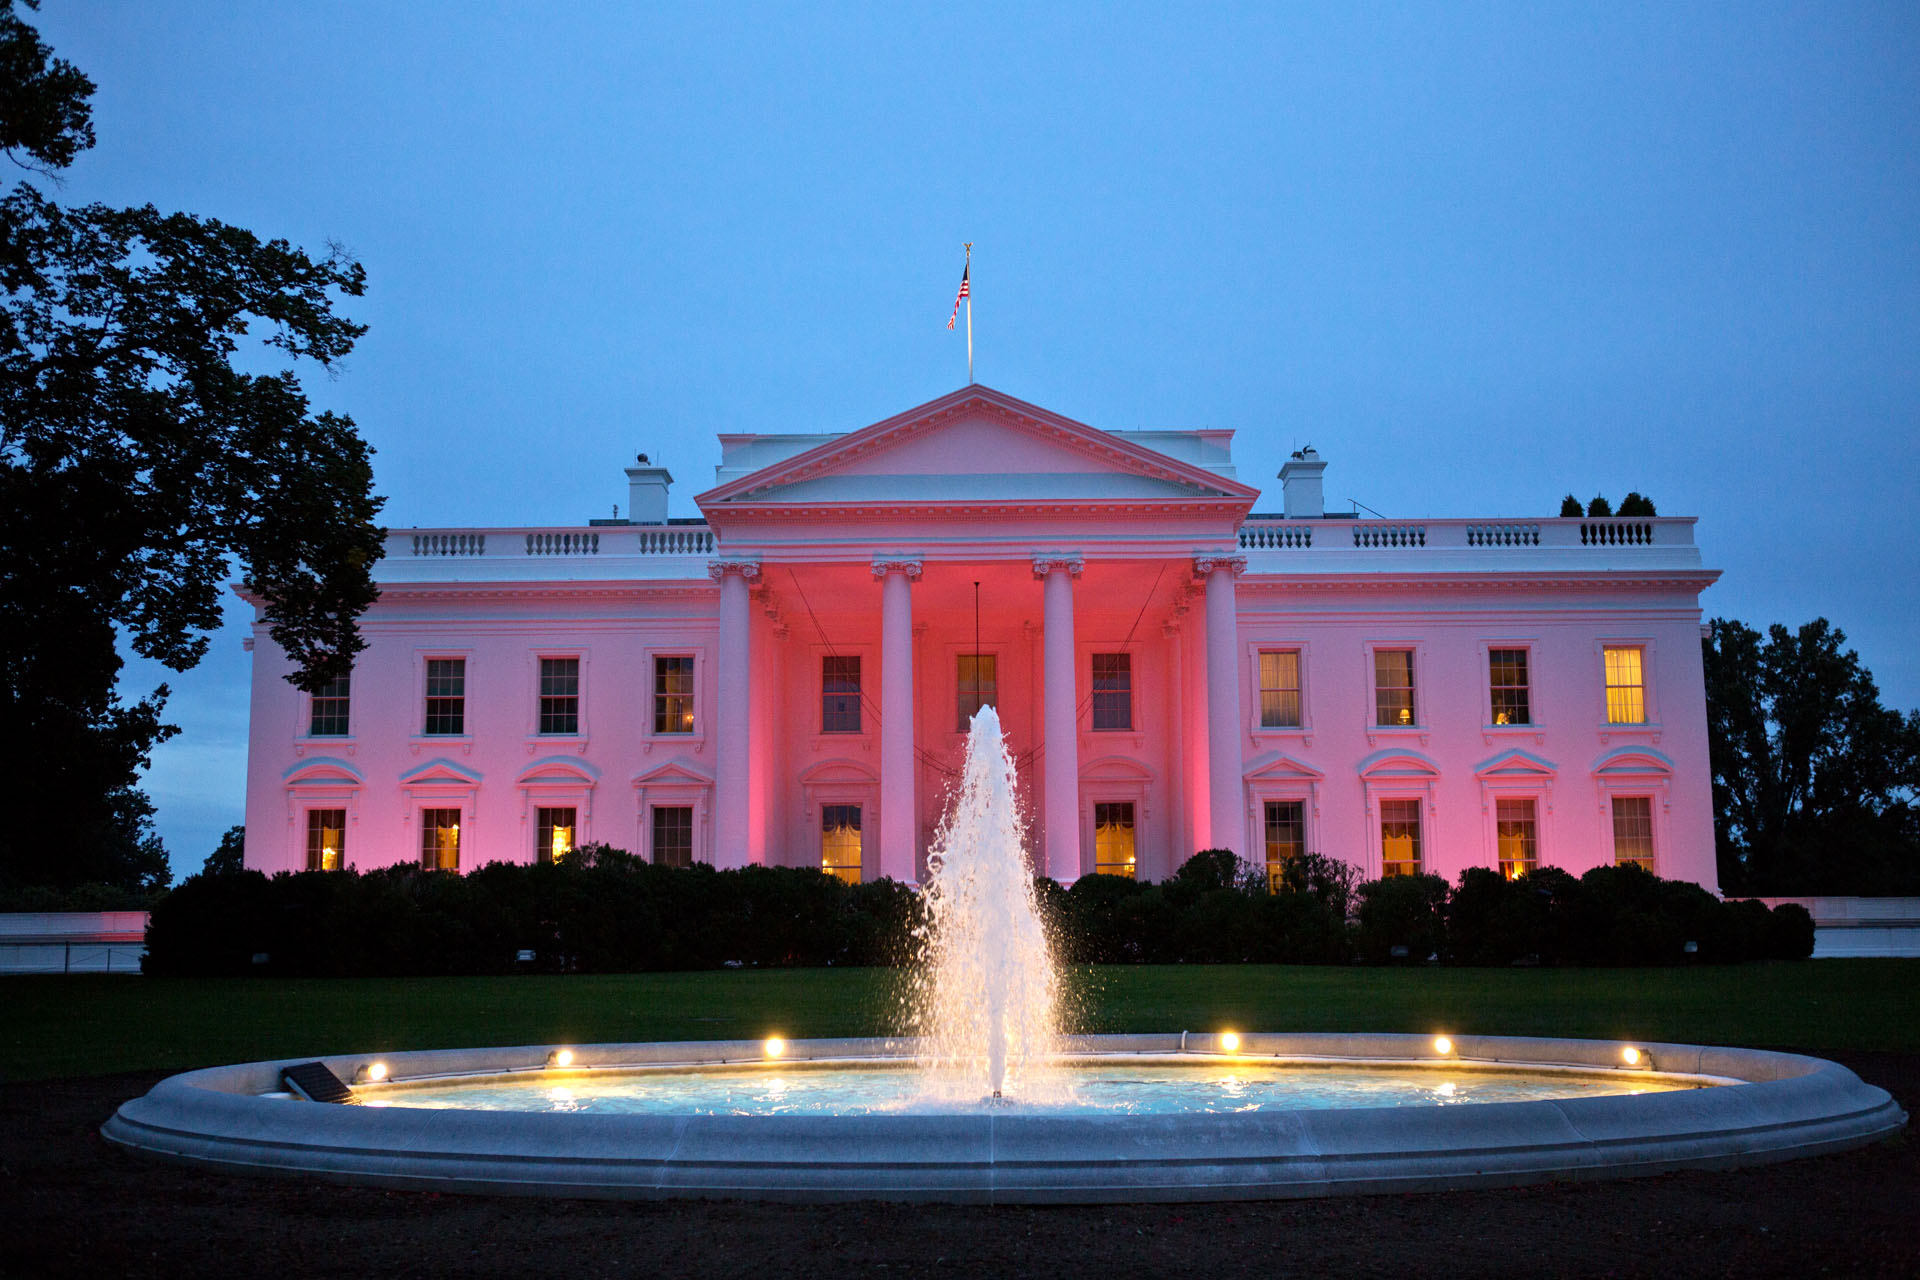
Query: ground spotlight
(1442, 1046)
(560, 1058)
(775, 1046)
(1230, 1041)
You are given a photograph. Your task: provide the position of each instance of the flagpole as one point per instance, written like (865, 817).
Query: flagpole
(969, 275)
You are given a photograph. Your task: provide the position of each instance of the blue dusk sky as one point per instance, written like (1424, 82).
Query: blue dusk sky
(1480, 256)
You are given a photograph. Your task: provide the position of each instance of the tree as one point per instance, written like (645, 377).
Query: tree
(1636, 504)
(1599, 506)
(1570, 506)
(230, 855)
(1813, 779)
(141, 464)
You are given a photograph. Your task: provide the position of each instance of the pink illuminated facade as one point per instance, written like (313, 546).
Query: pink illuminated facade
(787, 680)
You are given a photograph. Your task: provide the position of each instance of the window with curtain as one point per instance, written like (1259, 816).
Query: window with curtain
(440, 839)
(1626, 685)
(1286, 836)
(1507, 676)
(1113, 847)
(1393, 686)
(553, 834)
(1633, 831)
(1399, 837)
(1517, 834)
(840, 841)
(326, 839)
(673, 694)
(1280, 688)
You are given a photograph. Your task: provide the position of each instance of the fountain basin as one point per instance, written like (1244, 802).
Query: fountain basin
(1718, 1108)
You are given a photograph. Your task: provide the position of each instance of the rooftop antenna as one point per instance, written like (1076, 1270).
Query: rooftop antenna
(1364, 507)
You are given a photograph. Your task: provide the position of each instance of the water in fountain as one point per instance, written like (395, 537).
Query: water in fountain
(987, 994)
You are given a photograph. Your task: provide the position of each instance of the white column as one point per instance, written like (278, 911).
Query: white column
(733, 723)
(1062, 730)
(1223, 702)
(898, 803)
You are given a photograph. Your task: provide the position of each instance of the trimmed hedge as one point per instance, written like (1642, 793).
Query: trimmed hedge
(601, 911)
(606, 911)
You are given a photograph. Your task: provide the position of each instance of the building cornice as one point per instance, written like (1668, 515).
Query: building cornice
(1576, 580)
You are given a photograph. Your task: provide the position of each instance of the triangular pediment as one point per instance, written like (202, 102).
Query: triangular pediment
(975, 445)
(1278, 766)
(1513, 766)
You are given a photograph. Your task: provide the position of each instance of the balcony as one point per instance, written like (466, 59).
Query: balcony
(1276, 545)
(600, 553)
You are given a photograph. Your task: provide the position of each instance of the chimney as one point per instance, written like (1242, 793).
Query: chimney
(647, 492)
(1300, 488)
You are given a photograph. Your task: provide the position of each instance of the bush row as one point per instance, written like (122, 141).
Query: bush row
(606, 911)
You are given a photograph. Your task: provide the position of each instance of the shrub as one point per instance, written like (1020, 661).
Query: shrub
(1402, 918)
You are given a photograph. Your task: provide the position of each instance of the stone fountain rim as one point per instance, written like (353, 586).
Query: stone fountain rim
(1787, 1105)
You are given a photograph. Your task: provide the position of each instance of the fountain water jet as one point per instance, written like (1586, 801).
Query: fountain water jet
(985, 996)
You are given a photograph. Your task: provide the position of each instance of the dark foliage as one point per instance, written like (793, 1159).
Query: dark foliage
(1401, 919)
(1599, 506)
(601, 911)
(1814, 780)
(140, 464)
(230, 855)
(1570, 507)
(1637, 504)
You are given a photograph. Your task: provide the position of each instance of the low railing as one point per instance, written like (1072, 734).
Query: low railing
(1263, 532)
(650, 540)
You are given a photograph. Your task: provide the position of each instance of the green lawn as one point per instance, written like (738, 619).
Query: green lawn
(76, 1026)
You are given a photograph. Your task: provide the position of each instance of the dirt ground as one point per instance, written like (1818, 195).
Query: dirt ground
(71, 1205)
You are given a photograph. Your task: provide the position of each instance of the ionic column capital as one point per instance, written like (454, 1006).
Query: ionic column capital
(1046, 562)
(1203, 566)
(909, 565)
(748, 570)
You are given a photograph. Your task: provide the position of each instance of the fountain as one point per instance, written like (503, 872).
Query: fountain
(990, 1101)
(985, 996)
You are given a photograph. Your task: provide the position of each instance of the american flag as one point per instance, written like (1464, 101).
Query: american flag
(960, 297)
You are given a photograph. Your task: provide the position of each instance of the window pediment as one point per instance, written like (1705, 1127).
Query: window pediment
(1516, 766)
(1633, 762)
(837, 772)
(1115, 769)
(559, 771)
(440, 772)
(323, 771)
(673, 773)
(1276, 766)
(1398, 762)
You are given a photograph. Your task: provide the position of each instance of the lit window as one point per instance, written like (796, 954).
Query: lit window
(673, 694)
(1393, 686)
(553, 835)
(840, 841)
(1633, 831)
(673, 835)
(440, 839)
(330, 705)
(326, 839)
(1399, 837)
(1507, 674)
(446, 696)
(1280, 689)
(1113, 691)
(1113, 853)
(560, 695)
(1286, 831)
(978, 686)
(1626, 686)
(1517, 832)
(839, 695)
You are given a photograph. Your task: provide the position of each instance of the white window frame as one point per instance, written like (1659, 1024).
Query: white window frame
(703, 706)
(869, 668)
(1303, 730)
(1537, 728)
(578, 738)
(306, 740)
(1649, 687)
(1421, 728)
(420, 737)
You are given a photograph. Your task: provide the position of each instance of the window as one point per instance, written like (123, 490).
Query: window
(673, 835)
(1517, 834)
(440, 839)
(560, 695)
(673, 694)
(1393, 686)
(978, 685)
(840, 841)
(1399, 837)
(1279, 688)
(1113, 691)
(1633, 831)
(553, 834)
(839, 695)
(446, 695)
(1626, 686)
(1507, 676)
(330, 704)
(326, 839)
(1286, 831)
(1113, 839)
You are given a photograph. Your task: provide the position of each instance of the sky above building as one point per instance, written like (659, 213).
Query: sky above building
(1479, 259)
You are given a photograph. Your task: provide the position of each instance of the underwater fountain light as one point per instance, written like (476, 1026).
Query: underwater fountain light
(1442, 1046)
(560, 1058)
(775, 1046)
(1230, 1042)
(1631, 1056)
(370, 1073)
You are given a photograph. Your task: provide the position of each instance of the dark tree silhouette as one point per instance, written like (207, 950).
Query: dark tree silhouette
(140, 467)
